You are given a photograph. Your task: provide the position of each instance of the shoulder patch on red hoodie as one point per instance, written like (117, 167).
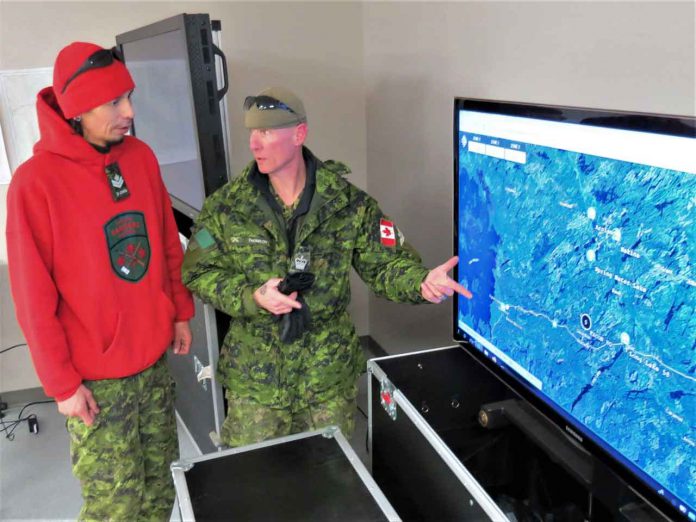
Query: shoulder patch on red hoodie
(129, 246)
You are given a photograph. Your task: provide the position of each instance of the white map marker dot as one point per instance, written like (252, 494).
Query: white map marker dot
(625, 338)
(591, 255)
(591, 213)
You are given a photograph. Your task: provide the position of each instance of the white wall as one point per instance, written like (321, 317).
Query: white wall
(314, 49)
(419, 56)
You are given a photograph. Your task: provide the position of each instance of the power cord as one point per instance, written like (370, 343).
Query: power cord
(361, 411)
(12, 347)
(367, 434)
(9, 427)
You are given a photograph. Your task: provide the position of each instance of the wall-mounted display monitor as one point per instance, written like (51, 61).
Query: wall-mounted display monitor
(576, 232)
(176, 104)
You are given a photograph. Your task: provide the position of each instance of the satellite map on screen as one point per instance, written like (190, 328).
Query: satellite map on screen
(583, 271)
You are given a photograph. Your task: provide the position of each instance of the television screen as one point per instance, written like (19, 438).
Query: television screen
(176, 105)
(163, 100)
(576, 232)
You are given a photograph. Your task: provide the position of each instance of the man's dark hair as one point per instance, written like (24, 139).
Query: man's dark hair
(76, 126)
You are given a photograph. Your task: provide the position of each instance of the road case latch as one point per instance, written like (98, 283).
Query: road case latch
(202, 372)
(330, 432)
(386, 397)
(181, 465)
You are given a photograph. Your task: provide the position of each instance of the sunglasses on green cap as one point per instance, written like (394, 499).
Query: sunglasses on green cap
(266, 103)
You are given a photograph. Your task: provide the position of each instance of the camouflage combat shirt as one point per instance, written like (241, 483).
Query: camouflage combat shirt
(239, 243)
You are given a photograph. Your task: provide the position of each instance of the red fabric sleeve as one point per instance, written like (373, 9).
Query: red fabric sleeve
(30, 254)
(174, 257)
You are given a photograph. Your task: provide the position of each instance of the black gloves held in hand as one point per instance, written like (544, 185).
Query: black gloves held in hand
(293, 324)
(296, 282)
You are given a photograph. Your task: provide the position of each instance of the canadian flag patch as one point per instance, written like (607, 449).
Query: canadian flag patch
(386, 233)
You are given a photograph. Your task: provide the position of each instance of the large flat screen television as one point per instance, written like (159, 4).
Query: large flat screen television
(576, 232)
(176, 104)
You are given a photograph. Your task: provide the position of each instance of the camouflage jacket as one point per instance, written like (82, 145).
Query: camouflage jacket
(238, 243)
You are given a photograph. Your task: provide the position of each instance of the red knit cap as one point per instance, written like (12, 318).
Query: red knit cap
(91, 88)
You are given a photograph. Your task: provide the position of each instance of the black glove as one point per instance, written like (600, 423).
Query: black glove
(296, 282)
(293, 324)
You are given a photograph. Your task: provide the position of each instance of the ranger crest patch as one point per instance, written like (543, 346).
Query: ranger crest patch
(129, 246)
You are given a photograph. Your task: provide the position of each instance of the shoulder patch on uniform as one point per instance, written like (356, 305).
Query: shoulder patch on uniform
(336, 166)
(203, 238)
(386, 233)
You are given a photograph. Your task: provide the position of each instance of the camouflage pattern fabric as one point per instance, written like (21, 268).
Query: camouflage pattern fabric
(122, 460)
(248, 421)
(238, 244)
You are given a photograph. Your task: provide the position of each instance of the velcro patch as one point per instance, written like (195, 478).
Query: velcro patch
(117, 184)
(203, 238)
(235, 240)
(386, 233)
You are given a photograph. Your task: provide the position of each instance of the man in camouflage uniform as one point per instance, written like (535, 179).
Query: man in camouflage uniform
(288, 212)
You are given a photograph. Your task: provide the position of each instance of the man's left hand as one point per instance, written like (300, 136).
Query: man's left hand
(438, 286)
(182, 338)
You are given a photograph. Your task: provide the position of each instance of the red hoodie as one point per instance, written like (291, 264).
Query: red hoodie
(96, 282)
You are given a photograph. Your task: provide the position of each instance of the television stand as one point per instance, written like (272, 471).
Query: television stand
(435, 461)
(559, 447)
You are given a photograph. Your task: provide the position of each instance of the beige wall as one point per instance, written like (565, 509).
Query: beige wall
(313, 48)
(379, 79)
(419, 56)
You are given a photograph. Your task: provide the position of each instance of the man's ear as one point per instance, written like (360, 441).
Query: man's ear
(300, 133)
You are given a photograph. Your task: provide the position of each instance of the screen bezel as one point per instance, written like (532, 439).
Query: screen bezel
(197, 31)
(681, 126)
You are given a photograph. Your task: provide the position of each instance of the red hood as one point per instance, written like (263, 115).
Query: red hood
(56, 134)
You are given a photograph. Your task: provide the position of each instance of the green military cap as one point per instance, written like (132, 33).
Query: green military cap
(273, 108)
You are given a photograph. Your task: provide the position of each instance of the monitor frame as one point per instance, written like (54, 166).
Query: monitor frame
(681, 126)
(206, 96)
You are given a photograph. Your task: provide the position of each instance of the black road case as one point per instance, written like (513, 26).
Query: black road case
(439, 451)
(312, 476)
(418, 421)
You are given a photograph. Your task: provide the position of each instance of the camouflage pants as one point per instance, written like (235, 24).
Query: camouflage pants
(122, 460)
(248, 421)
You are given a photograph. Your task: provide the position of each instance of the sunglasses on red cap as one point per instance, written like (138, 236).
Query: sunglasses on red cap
(265, 103)
(96, 60)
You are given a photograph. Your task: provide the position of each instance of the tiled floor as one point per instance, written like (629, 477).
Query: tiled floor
(35, 478)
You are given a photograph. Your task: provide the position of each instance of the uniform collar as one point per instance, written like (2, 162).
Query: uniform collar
(262, 183)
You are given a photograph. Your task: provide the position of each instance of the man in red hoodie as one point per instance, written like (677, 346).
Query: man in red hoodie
(94, 260)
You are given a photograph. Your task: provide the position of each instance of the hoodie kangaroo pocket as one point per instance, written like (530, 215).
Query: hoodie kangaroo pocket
(117, 333)
(150, 328)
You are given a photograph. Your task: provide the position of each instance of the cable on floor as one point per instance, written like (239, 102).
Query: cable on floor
(9, 427)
